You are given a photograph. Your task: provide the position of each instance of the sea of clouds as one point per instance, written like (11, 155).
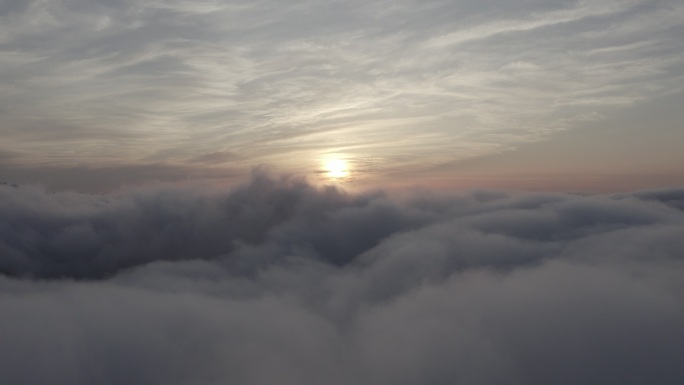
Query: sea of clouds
(282, 282)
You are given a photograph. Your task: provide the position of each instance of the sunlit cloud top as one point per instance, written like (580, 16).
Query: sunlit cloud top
(395, 87)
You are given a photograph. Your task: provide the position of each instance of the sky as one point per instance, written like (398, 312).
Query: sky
(533, 95)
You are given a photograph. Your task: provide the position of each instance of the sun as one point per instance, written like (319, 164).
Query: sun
(336, 168)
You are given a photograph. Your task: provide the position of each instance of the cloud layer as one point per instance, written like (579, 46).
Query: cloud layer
(282, 282)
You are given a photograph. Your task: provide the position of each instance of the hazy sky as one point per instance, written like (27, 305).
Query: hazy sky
(524, 94)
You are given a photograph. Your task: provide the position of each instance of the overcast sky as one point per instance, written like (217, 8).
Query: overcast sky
(524, 94)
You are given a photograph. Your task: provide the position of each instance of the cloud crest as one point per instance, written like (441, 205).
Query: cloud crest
(282, 282)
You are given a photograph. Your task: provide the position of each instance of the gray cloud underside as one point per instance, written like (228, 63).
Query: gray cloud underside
(281, 282)
(412, 84)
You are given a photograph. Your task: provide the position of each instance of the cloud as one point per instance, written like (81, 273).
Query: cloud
(98, 179)
(582, 11)
(278, 281)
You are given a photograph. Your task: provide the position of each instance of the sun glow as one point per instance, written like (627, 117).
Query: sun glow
(336, 168)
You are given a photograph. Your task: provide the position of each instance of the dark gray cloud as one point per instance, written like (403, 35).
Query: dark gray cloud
(278, 281)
